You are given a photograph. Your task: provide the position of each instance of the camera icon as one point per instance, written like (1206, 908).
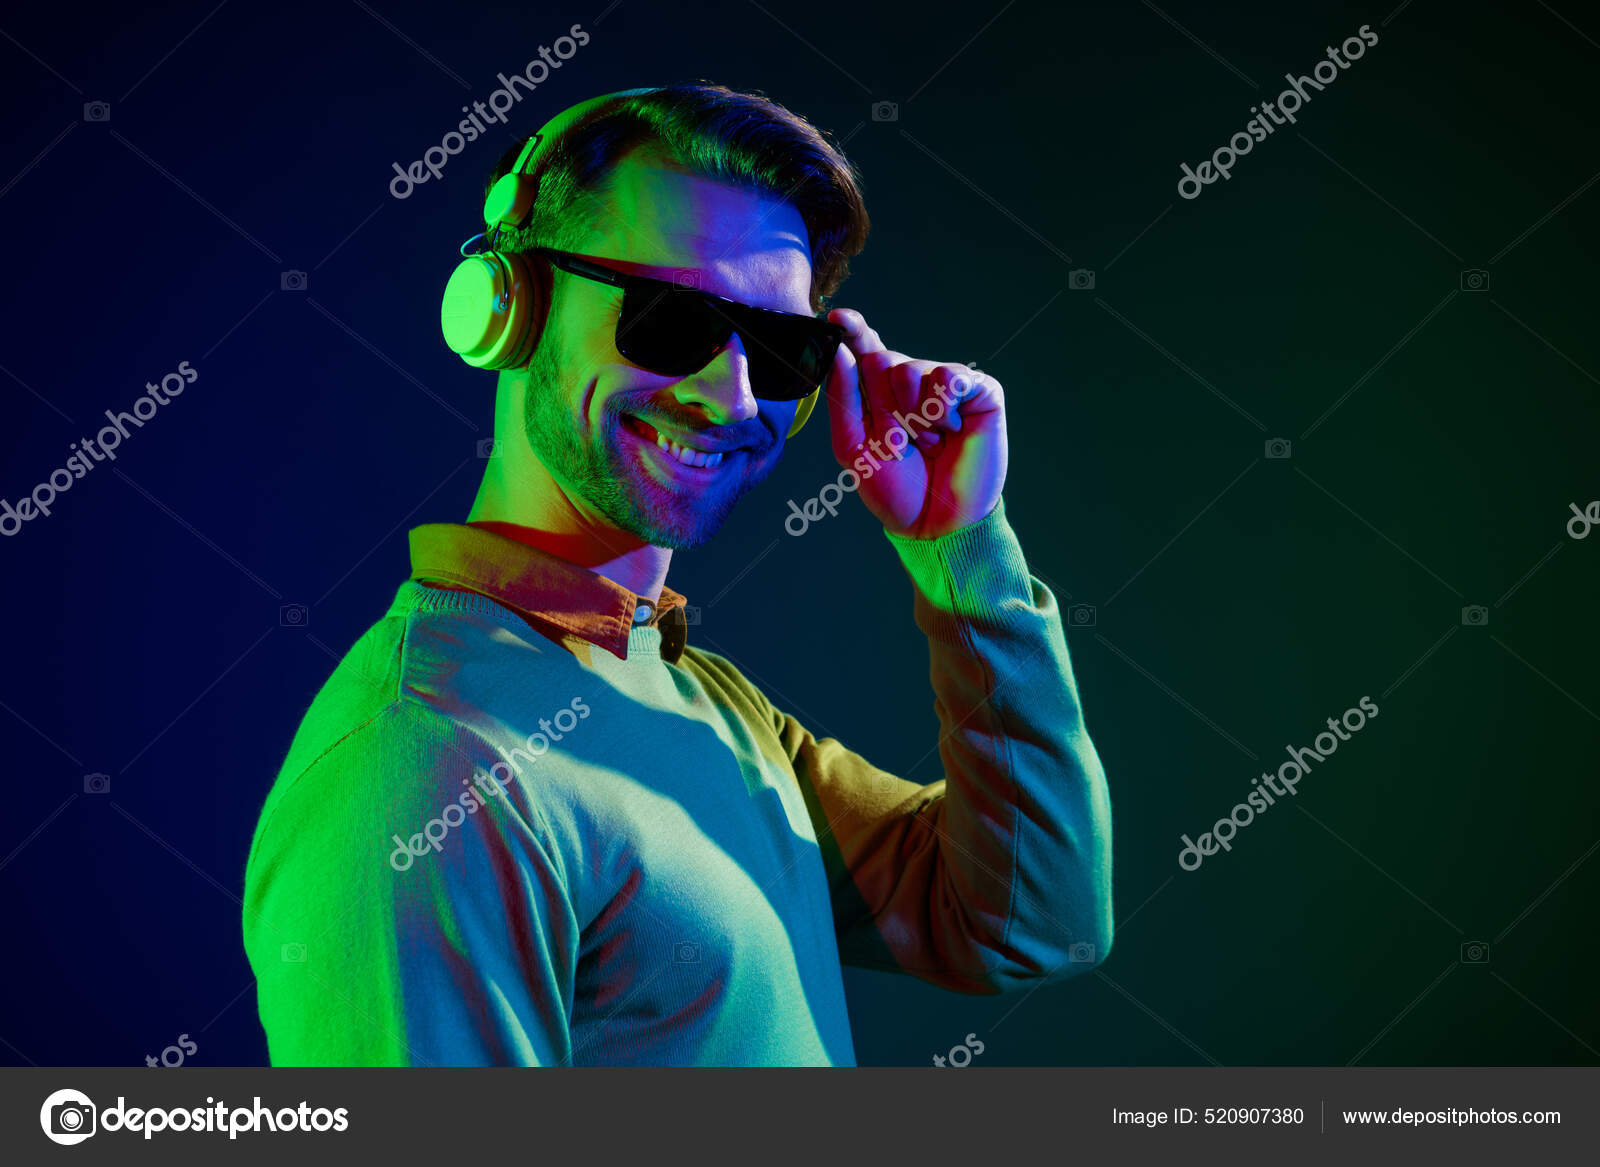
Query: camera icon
(294, 616)
(684, 952)
(691, 614)
(882, 782)
(71, 1121)
(292, 280)
(1474, 279)
(1278, 447)
(1475, 952)
(1080, 279)
(1081, 615)
(885, 111)
(686, 277)
(294, 953)
(97, 783)
(1081, 953)
(486, 448)
(1475, 616)
(97, 111)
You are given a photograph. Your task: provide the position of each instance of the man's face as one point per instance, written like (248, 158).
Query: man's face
(592, 418)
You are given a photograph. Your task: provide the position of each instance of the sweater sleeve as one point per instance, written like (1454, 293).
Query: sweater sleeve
(999, 874)
(376, 899)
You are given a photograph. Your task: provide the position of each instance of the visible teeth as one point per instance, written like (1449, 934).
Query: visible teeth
(687, 456)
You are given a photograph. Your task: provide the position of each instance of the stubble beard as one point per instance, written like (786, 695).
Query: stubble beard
(607, 479)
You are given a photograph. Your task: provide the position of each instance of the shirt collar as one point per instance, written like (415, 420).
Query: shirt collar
(544, 588)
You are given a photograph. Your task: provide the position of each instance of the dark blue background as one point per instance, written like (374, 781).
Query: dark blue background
(1242, 601)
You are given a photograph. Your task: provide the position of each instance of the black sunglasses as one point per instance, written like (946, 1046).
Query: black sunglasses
(675, 330)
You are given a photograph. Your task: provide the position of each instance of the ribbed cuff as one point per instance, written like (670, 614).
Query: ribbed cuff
(972, 570)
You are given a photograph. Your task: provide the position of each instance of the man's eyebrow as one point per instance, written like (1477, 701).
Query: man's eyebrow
(667, 274)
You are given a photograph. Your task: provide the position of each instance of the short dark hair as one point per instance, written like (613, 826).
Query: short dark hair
(743, 139)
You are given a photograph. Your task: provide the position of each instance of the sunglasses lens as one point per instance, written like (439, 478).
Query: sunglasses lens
(788, 361)
(675, 332)
(669, 331)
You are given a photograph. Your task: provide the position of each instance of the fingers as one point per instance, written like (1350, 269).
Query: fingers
(946, 384)
(875, 389)
(859, 335)
(847, 430)
(906, 382)
(903, 383)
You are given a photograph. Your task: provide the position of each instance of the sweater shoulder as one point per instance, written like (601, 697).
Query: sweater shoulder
(725, 683)
(369, 739)
(401, 760)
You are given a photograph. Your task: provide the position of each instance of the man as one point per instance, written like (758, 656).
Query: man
(525, 822)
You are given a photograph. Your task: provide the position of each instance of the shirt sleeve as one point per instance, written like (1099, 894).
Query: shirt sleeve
(999, 874)
(375, 915)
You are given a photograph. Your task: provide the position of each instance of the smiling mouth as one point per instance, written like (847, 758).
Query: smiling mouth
(683, 455)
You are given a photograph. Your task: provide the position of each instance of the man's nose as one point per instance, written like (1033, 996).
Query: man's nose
(722, 388)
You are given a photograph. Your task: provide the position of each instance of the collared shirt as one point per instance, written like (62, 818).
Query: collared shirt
(548, 591)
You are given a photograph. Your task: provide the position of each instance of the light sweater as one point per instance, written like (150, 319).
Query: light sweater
(673, 869)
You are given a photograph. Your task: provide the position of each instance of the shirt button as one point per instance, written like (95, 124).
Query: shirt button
(642, 613)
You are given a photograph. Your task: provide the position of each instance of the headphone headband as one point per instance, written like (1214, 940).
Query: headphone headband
(512, 196)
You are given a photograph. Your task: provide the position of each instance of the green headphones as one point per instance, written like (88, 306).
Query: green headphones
(491, 300)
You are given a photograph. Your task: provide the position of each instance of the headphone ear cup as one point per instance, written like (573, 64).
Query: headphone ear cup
(522, 332)
(807, 404)
(488, 310)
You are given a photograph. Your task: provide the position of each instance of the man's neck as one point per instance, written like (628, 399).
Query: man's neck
(522, 500)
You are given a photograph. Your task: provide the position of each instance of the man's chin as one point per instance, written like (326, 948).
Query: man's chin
(660, 517)
(666, 517)
(672, 527)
